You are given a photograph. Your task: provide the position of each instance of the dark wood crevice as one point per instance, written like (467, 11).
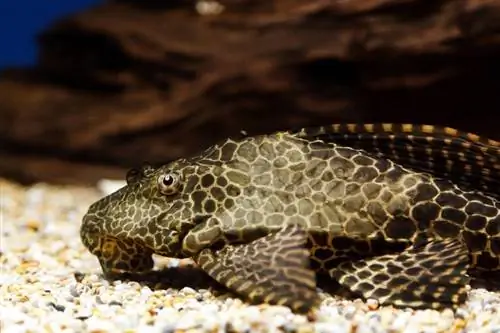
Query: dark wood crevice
(133, 81)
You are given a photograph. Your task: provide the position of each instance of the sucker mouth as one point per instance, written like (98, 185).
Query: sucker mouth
(125, 256)
(142, 265)
(115, 255)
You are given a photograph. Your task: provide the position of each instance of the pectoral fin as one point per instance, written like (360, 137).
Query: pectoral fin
(273, 269)
(430, 275)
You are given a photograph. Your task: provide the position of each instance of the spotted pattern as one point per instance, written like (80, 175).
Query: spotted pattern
(421, 275)
(467, 159)
(352, 204)
(280, 258)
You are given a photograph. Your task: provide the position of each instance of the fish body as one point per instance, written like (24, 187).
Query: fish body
(264, 214)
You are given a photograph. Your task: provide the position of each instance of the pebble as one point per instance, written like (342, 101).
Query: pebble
(50, 283)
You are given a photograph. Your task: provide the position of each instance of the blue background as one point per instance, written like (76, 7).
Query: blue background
(22, 20)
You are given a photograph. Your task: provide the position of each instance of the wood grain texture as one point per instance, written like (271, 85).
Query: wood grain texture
(132, 81)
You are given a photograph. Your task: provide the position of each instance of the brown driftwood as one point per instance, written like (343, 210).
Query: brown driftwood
(130, 81)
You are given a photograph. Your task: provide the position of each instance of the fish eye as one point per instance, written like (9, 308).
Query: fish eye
(169, 183)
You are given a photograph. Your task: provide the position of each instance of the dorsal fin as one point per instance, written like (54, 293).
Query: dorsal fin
(469, 160)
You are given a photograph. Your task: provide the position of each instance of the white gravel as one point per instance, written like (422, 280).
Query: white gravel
(50, 283)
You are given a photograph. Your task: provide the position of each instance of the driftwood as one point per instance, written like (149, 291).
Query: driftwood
(133, 81)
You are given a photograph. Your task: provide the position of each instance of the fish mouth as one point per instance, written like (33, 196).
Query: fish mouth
(124, 256)
(115, 255)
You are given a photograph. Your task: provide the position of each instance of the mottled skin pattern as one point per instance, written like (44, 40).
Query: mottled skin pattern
(467, 159)
(257, 212)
